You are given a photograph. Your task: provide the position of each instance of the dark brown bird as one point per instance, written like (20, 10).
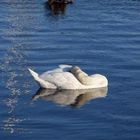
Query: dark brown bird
(58, 6)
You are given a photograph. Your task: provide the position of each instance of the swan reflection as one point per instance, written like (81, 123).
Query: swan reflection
(75, 98)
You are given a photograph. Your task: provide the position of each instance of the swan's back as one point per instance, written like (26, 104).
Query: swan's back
(62, 79)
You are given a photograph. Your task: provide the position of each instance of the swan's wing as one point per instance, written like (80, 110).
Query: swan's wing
(45, 74)
(54, 70)
(63, 80)
(65, 68)
(61, 68)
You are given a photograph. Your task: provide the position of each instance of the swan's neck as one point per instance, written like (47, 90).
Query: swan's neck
(81, 76)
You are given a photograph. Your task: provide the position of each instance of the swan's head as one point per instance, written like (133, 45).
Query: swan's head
(84, 79)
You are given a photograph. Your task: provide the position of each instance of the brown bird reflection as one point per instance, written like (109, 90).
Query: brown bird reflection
(74, 98)
(58, 6)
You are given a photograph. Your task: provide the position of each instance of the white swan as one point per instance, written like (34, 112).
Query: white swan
(69, 77)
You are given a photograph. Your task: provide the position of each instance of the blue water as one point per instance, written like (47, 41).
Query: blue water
(100, 36)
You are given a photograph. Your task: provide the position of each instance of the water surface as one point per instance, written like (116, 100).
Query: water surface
(100, 36)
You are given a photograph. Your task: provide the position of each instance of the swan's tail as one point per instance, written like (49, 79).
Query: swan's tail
(41, 82)
(34, 74)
